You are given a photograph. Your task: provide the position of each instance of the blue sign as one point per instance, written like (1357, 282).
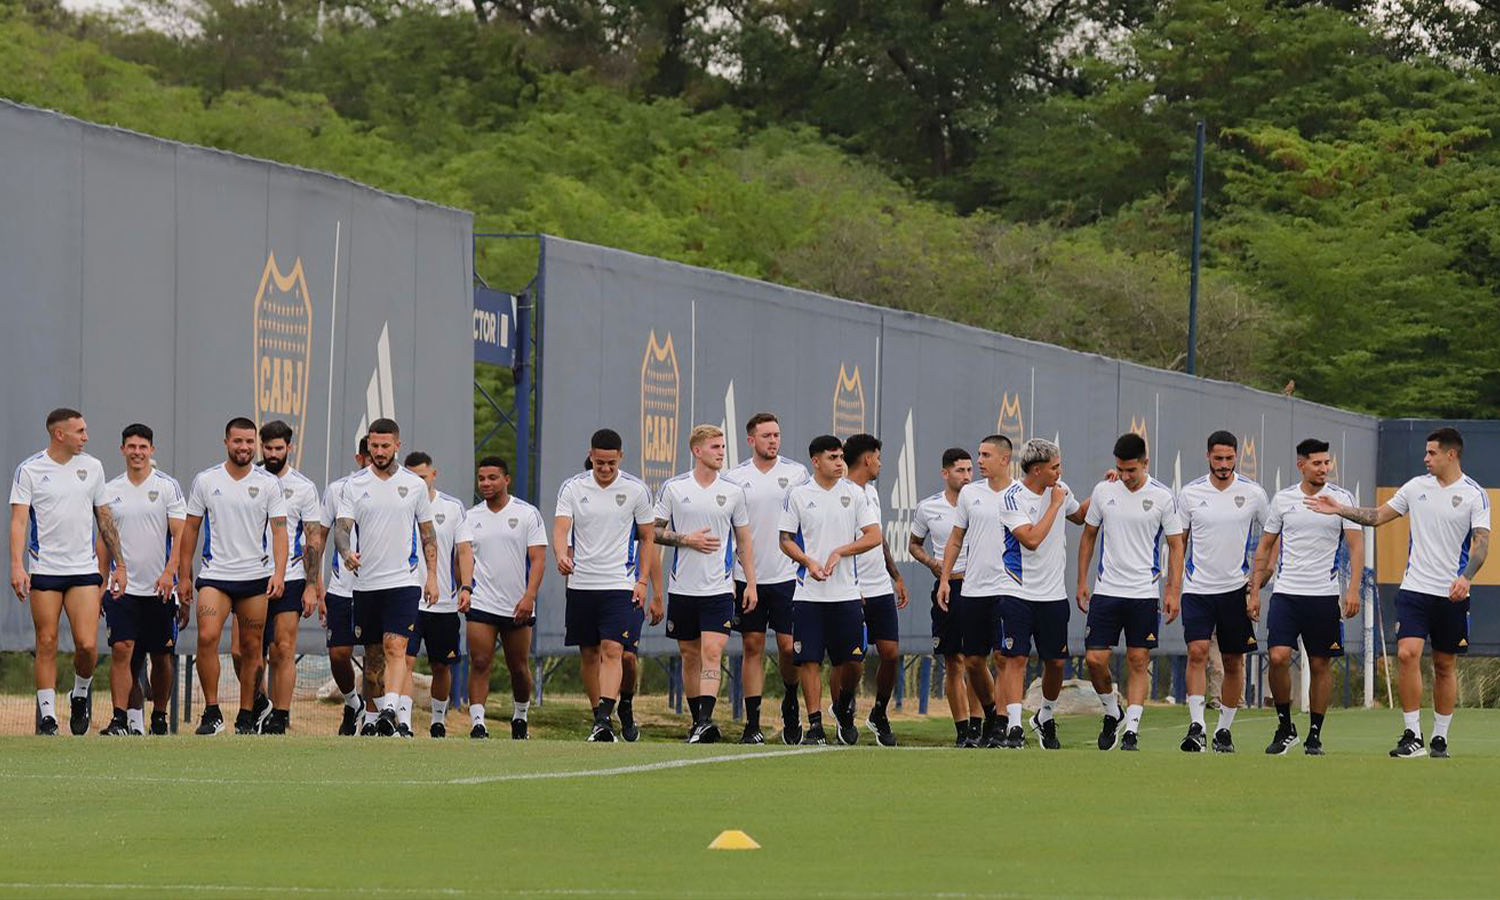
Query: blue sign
(494, 327)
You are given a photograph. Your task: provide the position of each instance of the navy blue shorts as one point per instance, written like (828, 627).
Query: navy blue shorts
(837, 629)
(1438, 619)
(391, 611)
(980, 623)
(947, 631)
(592, 617)
(64, 583)
(290, 601)
(1318, 620)
(235, 590)
(773, 608)
(504, 623)
(1044, 623)
(439, 630)
(1140, 620)
(688, 616)
(1203, 614)
(881, 620)
(147, 621)
(340, 612)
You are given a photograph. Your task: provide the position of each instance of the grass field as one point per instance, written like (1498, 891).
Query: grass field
(385, 818)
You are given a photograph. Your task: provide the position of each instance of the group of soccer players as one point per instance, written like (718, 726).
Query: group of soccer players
(771, 544)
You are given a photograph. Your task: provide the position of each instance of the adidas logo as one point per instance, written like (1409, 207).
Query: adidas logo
(46, 478)
(217, 492)
(1111, 502)
(904, 496)
(380, 395)
(1203, 503)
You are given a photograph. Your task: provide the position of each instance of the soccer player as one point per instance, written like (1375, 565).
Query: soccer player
(1221, 514)
(437, 624)
(55, 500)
(1133, 513)
(1313, 550)
(510, 556)
(605, 512)
(1450, 539)
(701, 516)
(241, 513)
(934, 523)
(336, 609)
(977, 532)
(825, 524)
(1034, 601)
(300, 599)
(148, 509)
(883, 590)
(388, 504)
(766, 477)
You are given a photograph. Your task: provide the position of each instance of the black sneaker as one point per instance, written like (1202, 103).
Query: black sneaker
(79, 714)
(1195, 741)
(1284, 740)
(629, 731)
(1109, 734)
(385, 724)
(601, 734)
(815, 735)
(479, 732)
(1130, 741)
(350, 725)
(47, 726)
(791, 733)
(752, 736)
(518, 730)
(1048, 732)
(275, 723)
(262, 711)
(961, 738)
(212, 722)
(437, 730)
(848, 735)
(244, 722)
(881, 726)
(368, 729)
(971, 739)
(1439, 748)
(991, 733)
(119, 726)
(1410, 746)
(403, 730)
(1313, 746)
(159, 723)
(1015, 739)
(1223, 741)
(707, 733)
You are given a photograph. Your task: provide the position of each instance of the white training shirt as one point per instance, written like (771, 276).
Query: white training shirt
(1131, 525)
(340, 584)
(978, 514)
(386, 512)
(932, 525)
(765, 493)
(824, 521)
(237, 516)
(450, 525)
(1442, 521)
(141, 513)
(501, 540)
(1313, 548)
(688, 506)
(1040, 575)
(869, 566)
(1223, 528)
(606, 521)
(62, 497)
(302, 509)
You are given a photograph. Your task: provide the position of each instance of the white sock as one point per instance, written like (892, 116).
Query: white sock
(1013, 710)
(1413, 722)
(519, 709)
(1440, 724)
(81, 685)
(403, 710)
(1196, 704)
(1133, 717)
(351, 699)
(1111, 704)
(476, 713)
(1045, 714)
(388, 701)
(439, 709)
(1226, 718)
(46, 701)
(137, 719)
(370, 717)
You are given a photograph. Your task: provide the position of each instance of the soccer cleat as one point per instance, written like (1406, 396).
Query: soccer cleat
(1439, 748)
(752, 736)
(1015, 739)
(1410, 746)
(992, 732)
(119, 726)
(961, 740)
(244, 722)
(705, 733)
(276, 723)
(403, 730)
(1048, 731)
(1109, 734)
(601, 734)
(791, 733)
(350, 724)
(881, 727)
(438, 730)
(368, 729)
(212, 722)
(847, 733)
(159, 723)
(1284, 740)
(479, 732)
(815, 736)
(385, 723)
(78, 714)
(47, 726)
(518, 730)
(1313, 746)
(1130, 741)
(971, 738)
(262, 711)
(1195, 741)
(1223, 741)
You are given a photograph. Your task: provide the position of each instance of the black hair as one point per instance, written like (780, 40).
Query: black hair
(822, 444)
(857, 445)
(60, 415)
(493, 462)
(276, 430)
(1130, 446)
(364, 446)
(1222, 438)
(1310, 446)
(1448, 438)
(998, 439)
(606, 439)
(138, 430)
(385, 426)
(238, 423)
(417, 458)
(953, 455)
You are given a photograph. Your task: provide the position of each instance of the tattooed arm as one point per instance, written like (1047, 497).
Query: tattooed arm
(1479, 548)
(700, 540)
(109, 535)
(343, 543)
(429, 552)
(1369, 516)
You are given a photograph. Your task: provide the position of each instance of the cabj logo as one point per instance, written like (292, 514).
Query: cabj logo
(848, 403)
(660, 388)
(1249, 462)
(1013, 425)
(283, 348)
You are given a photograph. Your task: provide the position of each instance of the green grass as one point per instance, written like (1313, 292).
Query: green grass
(368, 818)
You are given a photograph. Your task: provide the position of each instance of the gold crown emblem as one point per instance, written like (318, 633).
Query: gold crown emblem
(1138, 426)
(283, 348)
(1249, 460)
(848, 403)
(1012, 424)
(660, 389)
